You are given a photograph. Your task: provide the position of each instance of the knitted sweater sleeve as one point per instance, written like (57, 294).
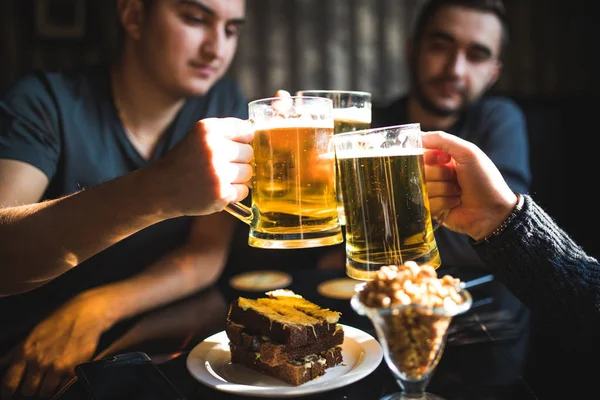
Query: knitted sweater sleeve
(542, 266)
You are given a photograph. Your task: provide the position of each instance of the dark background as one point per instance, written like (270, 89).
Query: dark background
(550, 68)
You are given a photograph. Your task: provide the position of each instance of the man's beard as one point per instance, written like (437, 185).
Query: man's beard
(430, 106)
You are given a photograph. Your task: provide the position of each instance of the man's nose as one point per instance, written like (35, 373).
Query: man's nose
(214, 44)
(457, 64)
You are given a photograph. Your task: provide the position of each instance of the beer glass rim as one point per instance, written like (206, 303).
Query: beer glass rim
(334, 91)
(276, 98)
(341, 136)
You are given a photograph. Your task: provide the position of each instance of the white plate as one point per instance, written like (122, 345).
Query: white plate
(210, 363)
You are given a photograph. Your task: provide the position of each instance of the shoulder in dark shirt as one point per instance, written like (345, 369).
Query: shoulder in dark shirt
(390, 113)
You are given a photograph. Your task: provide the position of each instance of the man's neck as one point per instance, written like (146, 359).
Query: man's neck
(428, 120)
(145, 109)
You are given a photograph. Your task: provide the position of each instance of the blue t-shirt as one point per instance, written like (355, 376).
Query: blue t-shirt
(65, 124)
(497, 125)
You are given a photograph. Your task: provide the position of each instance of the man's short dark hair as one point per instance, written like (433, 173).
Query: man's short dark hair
(431, 7)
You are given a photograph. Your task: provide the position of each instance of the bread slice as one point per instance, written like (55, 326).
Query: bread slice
(272, 353)
(284, 317)
(295, 372)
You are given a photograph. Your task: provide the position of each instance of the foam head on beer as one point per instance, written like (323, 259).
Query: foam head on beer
(288, 112)
(302, 121)
(377, 152)
(360, 115)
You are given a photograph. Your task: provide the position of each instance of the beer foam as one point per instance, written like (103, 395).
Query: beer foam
(379, 152)
(305, 121)
(362, 114)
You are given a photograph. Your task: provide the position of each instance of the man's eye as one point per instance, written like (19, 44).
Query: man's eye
(477, 56)
(193, 19)
(438, 45)
(233, 30)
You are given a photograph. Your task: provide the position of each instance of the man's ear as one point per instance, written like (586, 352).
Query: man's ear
(494, 73)
(131, 15)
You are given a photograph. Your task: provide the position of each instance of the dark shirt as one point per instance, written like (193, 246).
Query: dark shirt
(66, 125)
(495, 124)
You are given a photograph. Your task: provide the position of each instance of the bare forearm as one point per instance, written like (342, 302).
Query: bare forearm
(44, 240)
(177, 275)
(178, 321)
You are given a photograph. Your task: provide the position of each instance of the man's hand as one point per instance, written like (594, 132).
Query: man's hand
(443, 189)
(462, 178)
(208, 169)
(55, 346)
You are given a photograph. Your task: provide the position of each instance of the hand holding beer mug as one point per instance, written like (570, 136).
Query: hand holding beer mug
(351, 112)
(293, 187)
(388, 219)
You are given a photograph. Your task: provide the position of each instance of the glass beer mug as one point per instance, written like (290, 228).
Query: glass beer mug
(293, 198)
(351, 112)
(388, 218)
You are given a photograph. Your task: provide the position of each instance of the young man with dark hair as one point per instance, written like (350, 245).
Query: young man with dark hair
(107, 180)
(454, 57)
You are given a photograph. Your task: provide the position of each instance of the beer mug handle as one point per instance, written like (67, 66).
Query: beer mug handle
(240, 211)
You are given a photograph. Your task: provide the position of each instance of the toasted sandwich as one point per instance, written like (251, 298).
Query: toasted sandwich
(284, 336)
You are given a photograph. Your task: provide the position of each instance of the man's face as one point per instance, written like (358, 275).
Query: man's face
(456, 59)
(189, 44)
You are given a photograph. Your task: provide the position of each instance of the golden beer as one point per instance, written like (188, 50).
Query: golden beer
(388, 218)
(348, 120)
(351, 112)
(345, 125)
(293, 188)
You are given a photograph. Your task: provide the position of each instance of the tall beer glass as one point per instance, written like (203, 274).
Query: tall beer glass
(351, 112)
(388, 219)
(293, 187)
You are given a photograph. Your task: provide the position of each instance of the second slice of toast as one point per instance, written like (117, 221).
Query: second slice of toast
(272, 353)
(295, 372)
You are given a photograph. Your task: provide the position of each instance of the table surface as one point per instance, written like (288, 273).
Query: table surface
(481, 359)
